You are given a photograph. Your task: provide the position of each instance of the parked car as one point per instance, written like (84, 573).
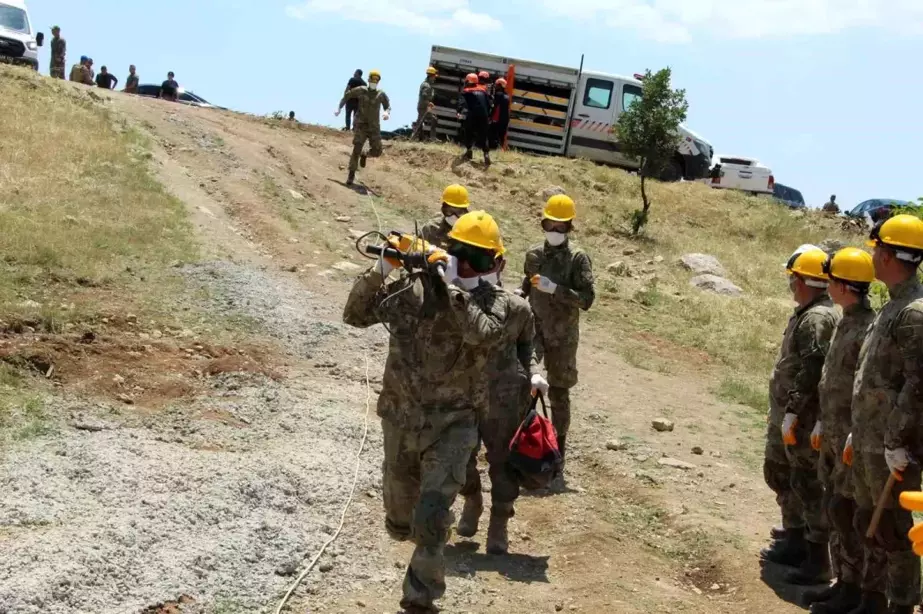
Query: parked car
(876, 209)
(790, 197)
(185, 96)
(740, 173)
(19, 43)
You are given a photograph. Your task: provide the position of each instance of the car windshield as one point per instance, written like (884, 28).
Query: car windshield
(13, 18)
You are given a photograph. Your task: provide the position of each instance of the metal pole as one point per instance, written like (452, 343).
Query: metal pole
(573, 106)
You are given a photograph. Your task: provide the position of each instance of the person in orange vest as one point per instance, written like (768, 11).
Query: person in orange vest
(474, 107)
(500, 118)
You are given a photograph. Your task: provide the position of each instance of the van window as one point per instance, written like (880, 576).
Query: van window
(598, 94)
(630, 95)
(13, 18)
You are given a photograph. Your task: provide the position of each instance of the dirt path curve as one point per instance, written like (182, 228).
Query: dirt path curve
(630, 535)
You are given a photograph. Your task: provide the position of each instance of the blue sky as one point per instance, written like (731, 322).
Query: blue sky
(825, 92)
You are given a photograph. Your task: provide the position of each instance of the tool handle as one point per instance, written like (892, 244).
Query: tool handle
(880, 508)
(414, 259)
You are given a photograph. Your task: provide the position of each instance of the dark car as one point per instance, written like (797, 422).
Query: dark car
(876, 208)
(790, 197)
(185, 96)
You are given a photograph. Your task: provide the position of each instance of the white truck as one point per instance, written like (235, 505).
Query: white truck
(19, 42)
(741, 173)
(559, 110)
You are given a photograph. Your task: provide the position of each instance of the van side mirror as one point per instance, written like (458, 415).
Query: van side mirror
(39, 39)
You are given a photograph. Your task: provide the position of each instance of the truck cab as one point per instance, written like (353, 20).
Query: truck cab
(601, 100)
(19, 43)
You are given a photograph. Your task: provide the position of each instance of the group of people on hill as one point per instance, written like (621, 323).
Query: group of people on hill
(845, 434)
(463, 367)
(83, 72)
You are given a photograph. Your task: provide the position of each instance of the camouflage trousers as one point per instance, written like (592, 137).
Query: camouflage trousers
(560, 359)
(846, 548)
(509, 399)
(361, 134)
(422, 473)
(806, 485)
(57, 72)
(778, 475)
(890, 565)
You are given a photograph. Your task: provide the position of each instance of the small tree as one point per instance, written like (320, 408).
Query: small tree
(648, 130)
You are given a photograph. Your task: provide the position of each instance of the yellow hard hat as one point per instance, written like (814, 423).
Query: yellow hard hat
(850, 265)
(809, 264)
(374, 75)
(479, 229)
(559, 208)
(431, 71)
(456, 196)
(899, 231)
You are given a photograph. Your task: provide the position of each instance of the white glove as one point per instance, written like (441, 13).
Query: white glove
(789, 422)
(386, 115)
(519, 292)
(897, 459)
(450, 274)
(539, 384)
(336, 113)
(817, 435)
(384, 267)
(542, 283)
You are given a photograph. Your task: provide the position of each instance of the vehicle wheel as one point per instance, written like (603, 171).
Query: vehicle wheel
(673, 171)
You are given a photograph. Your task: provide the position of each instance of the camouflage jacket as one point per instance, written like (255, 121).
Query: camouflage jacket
(440, 342)
(58, 51)
(512, 362)
(436, 232)
(888, 391)
(793, 384)
(558, 314)
(427, 93)
(81, 74)
(839, 371)
(368, 113)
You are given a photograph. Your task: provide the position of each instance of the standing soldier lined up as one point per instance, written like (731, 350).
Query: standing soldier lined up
(427, 93)
(368, 127)
(886, 408)
(851, 272)
(790, 466)
(474, 107)
(58, 53)
(433, 388)
(558, 283)
(455, 204)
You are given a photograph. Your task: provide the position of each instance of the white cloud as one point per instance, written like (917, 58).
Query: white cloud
(429, 16)
(678, 21)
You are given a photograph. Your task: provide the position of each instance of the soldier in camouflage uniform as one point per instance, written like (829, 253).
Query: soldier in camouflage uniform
(367, 126)
(455, 203)
(427, 93)
(790, 466)
(886, 410)
(58, 53)
(81, 73)
(442, 330)
(851, 272)
(558, 283)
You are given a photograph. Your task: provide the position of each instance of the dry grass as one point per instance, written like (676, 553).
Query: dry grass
(80, 209)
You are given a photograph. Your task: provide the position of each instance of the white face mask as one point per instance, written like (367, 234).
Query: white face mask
(491, 278)
(555, 238)
(468, 283)
(373, 85)
(450, 219)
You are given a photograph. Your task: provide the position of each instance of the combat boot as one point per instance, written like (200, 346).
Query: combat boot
(847, 598)
(486, 160)
(469, 155)
(351, 178)
(790, 551)
(822, 595)
(871, 603)
(814, 569)
(471, 515)
(498, 540)
(363, 157)
(900, 609)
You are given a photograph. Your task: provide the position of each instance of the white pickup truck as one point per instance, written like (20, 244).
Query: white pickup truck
(559, 110)
(741, 173)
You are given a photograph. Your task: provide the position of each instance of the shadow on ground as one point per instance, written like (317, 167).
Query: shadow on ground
(773, 576)
(463, 559)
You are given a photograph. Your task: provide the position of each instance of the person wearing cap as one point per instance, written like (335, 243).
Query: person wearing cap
(474, 111)
(790, 463)
(500, 118)
(887, 406)
(850, 272)
(443, 323)
(58, 53)
(371, 101)
(455, 203)
(424, 98)
(558, 282)
(80, 73)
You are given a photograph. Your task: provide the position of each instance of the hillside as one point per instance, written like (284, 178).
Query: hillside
(180, 405)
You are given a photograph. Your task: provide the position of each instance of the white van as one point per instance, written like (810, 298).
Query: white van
(19, 42)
